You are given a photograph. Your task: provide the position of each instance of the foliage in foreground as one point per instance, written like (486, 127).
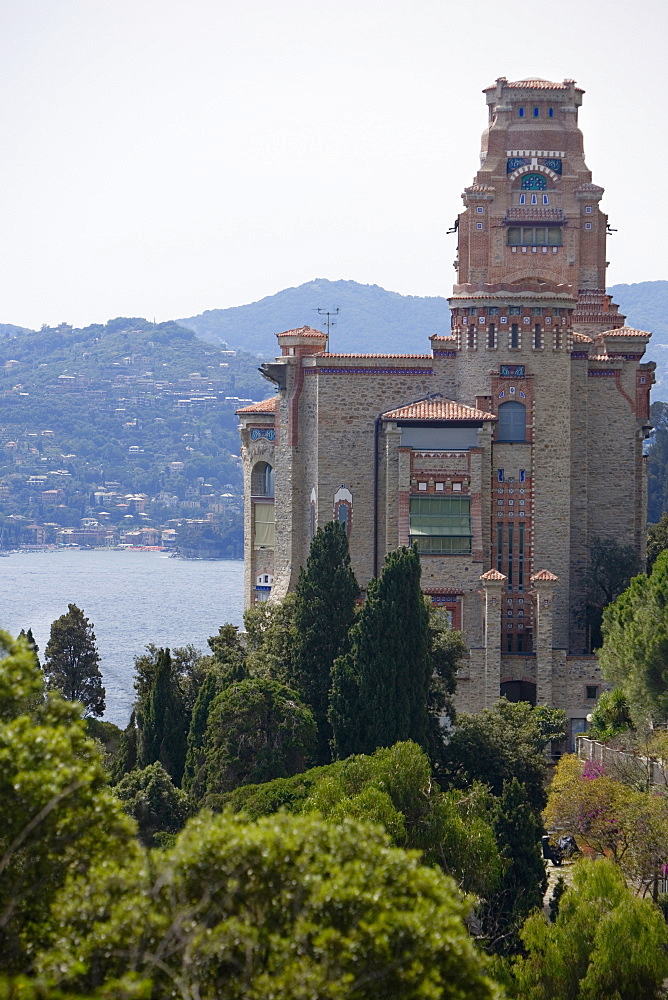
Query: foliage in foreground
(57, 813)
(285, 907)
(605, 943)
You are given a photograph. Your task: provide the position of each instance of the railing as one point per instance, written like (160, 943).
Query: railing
(622, 763)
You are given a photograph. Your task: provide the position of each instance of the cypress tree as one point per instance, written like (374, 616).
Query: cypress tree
(380, 688)
(163, 723)
(324, 611)
(198, 723)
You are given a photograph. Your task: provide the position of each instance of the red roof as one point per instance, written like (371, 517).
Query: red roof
(625, 331)
(422, 356)
(534, 84)
(266, 406)
(581, 338)
(544, 576)
(303, 331)
(440, 336)
(437, 409)
(493, 576)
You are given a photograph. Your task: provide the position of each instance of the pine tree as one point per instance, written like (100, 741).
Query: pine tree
(380, 688)
(163, 722)
(30, 639)
(324, 613)
(71, 663)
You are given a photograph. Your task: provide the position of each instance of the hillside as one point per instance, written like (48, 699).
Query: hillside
(92, 418)
(375, 320)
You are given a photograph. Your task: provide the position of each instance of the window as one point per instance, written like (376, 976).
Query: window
(587, 225)
(512, 422)
(520, 644)
(515, 310)
(535, 112)
(534, 199)
(480, 210)
(588, 210)
(514, 336)
(535, 236)
(546, 199)
(536, 337)
(533, 182)
(441, 525)
(491, 336)
(537, 311)
(262, 480)
(592, 692)
(520, 112)
(520, 558)
(511, 533)
(478, 225)
(493, 311)
(550, 113)
(499, 546)
(499, 475)
(264, 534)
(523, 199)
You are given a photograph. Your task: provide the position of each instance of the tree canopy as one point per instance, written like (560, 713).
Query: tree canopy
(324, 611)
(288, 906)
(380, 688)
(72, 662)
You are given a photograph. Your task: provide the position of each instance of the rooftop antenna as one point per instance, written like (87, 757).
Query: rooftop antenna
(330, 322)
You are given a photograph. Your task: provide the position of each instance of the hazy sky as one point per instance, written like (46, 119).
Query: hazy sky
(162, 157)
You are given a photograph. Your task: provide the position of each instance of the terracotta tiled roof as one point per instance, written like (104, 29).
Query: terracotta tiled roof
(544, 576)
(441, 337)
(493, 575)
(592, 188)
(422, 356)
(582, 338)
(266, 406)
(303, 331)
(600, 357)
(625, 331)
(437, 409)
(479, 188)
(535, 84)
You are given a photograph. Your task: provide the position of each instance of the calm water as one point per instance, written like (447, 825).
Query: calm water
(132, 598)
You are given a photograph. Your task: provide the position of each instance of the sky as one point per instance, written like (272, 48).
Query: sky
(163, 157)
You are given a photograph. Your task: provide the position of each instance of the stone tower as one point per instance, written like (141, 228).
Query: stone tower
(505, 450)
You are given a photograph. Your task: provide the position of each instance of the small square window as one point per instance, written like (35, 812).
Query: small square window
(515, 310)
(493, 310)
(439, 487)
(592, 692)
(456, 487)
(422, 487)
(587, 225)
(480, 210)
(478, 225)
(588, 210)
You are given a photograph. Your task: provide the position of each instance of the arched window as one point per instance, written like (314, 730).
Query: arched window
(262, 480)
(533, 182)
(512, 422)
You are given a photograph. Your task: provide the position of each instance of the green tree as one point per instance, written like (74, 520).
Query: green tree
(657, 540)
(30, 639)
(523, 882)
(128, 750)
(288, 906)
(270, 639)
(447, 647)
(257, 730)
(506, 741)
(605, 943)
(163, 723)
(153, 801)
(611, 716)
(634, 656)
(380, 687)
(609, 571)
(324, 611)
(71, 661)
(57, 813)
(193, 777)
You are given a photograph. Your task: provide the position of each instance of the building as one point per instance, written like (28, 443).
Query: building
(504, 450)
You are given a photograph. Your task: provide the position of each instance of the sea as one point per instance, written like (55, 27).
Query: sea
(132, 598)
